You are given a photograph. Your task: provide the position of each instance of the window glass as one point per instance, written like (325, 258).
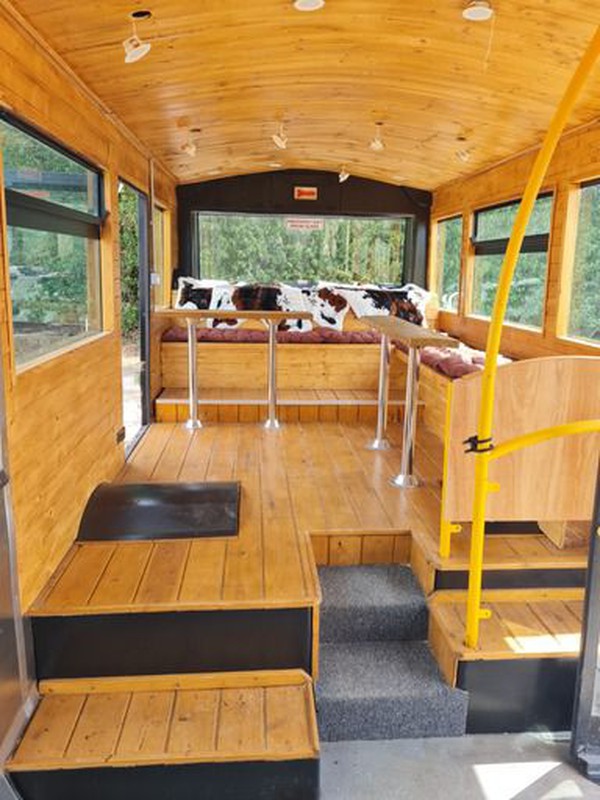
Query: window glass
(449, 246)
(55, 290)
(276, 248)
(584, 316)
(34, 168)
(54, 253)
(497, 223)
(526, 298)
(528, 290)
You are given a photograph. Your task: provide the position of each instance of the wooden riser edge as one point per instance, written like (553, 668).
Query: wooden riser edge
(252, 412)
(353, 548)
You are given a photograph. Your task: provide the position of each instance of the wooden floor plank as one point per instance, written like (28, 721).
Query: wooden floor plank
(121, 579)
(204, 572)
(242, 722)
(162, 579)
(98, 728)
(81, 577)
(49, 732)
(146, 727)
(194, 725)
(287, 724)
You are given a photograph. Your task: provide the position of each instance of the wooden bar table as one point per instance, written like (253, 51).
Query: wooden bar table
(270, 318)
(414, 337)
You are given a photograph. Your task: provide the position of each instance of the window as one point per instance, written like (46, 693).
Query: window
(584, 314)
(449, 247)
(54, 208)
(490, 240)
(264, 248)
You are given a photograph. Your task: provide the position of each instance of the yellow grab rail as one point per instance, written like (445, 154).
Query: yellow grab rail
(544, 435)
(486, 407)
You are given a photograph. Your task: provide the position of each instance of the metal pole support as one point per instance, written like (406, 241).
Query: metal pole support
(380, 441)
(193, 423)
(406, 479)
(272, 422)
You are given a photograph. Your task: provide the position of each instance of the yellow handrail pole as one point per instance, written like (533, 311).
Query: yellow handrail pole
(544, 435)
(486, 407)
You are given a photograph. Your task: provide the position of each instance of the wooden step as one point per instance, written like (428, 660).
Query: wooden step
(128, 608)
(301, 405)
(522, 674)
(510, 561)
(235, 735)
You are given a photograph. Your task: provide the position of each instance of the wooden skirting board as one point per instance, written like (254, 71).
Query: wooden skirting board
(351, 406)
(351, 548)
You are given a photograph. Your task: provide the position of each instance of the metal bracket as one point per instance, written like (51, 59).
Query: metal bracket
(3, 478)
(485, 613)
(477, 445)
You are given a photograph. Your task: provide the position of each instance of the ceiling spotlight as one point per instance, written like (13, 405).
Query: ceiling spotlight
(308, 5)
(274, 164)
(377, 144)
(344, 175)
(280, 139)
(135, 48)
(463, 155)
(478, 11)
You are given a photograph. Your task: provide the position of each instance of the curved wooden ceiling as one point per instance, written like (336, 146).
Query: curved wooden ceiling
(234, 68)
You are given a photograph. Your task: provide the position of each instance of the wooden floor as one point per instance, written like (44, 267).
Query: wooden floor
(171, 720)
(296, 481)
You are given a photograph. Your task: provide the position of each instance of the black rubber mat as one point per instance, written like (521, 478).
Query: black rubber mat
(117, 511)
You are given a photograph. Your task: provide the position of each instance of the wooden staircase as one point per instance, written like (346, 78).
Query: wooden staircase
(179, 668)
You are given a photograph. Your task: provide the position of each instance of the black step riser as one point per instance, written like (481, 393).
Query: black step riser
(274, 780)
(172, 643)
(514, 579)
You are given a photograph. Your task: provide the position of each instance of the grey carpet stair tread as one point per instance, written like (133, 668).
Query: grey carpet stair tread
(371, 603)
(385, 690)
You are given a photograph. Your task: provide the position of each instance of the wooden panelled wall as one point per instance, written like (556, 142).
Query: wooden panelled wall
(577, 159)
(64, 412)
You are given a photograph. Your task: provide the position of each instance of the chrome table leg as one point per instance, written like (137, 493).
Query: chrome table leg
(380, 441)
(406, 479)
(272, 422)
(193, 423)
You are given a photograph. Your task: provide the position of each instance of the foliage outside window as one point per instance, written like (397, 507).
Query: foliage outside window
(584, 315)
(527, 295)
(54, 209)
(449, 247)
(264, 248)
(161, 257)
(131, 221)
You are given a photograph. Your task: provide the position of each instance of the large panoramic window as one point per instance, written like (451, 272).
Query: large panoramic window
(267, 248)
(584, 314)
(54, 208)
(490, 240)
(449, 245)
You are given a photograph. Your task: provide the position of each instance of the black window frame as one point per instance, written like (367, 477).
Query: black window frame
(25, 211)
(39, 214)
(439, 274)
(533, 243)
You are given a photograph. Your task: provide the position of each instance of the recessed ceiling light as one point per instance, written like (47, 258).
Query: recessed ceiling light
(274, 164)
(377, 144)
(140, 14)
(280, 139)
(344, 175)
(308, 5)
(214, 172)
(478, 11)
